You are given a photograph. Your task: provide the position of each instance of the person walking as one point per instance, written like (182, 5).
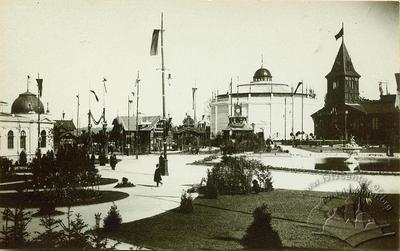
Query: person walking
(157, 175)
(161, 163)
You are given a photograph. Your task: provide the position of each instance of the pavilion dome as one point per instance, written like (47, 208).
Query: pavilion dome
(262, 74)
(26, 102)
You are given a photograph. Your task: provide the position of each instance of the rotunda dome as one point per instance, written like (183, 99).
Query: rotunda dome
(262, 74)
(26, 102)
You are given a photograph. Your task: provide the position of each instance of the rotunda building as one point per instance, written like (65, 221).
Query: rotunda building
(21, 129)
(275, 109)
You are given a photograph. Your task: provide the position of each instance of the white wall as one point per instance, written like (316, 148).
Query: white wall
(30, 128)
(268, 113)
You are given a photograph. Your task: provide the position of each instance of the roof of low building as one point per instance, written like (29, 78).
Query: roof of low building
(67, 125)
(146, 122)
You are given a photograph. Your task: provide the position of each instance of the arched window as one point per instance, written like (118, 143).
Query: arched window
(10, 141)
(43, 139)
(23, 140)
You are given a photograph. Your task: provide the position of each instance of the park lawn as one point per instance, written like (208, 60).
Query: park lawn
(35, 200)
(28, 184)
(221, 223)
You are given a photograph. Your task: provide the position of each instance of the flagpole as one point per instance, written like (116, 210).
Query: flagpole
(137, 116)
(302, 110)
(129, 146)
(163, 96)
(77, 118)
(292, 117)
(89, 126)
(38, 111)
(342, 32)
(230, 85)
(285, 121)
(104, 119)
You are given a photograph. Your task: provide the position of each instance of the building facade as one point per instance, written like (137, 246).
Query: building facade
(271, 108)
(346, 114)
(20, 130)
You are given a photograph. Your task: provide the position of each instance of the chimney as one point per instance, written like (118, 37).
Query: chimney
(397, 76)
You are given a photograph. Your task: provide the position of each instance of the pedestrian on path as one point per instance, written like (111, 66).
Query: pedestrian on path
(157, 175)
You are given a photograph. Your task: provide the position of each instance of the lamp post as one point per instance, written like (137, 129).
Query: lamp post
(292, 118)
(345, 124)
(127, 131)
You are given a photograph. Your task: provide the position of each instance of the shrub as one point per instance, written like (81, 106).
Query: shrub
(211, 190)
(5, 166)
(113, 220)
(186, 203)
(22, 158)
(124, 183)
(260, 233)
(113, 161)
(102, 159)
(233, 175)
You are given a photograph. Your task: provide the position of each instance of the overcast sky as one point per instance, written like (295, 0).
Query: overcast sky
(74, 44)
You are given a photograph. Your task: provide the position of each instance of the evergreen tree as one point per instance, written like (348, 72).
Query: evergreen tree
(260, 233)
(15, 235)
(50, 238)
(113, 220)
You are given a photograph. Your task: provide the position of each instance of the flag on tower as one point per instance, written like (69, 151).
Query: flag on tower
(340, 34)
(154, 43)
(95, 95)
(40, 86)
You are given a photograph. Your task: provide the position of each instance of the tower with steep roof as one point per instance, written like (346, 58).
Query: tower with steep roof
(342, 81)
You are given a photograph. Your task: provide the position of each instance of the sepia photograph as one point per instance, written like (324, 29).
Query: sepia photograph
(199, 125)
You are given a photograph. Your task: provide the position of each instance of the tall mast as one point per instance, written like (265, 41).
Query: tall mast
(38, 110)
(77, 117)
(230, 85)
(137, 115)
(163, 95)
(302, 109)
(342, 32)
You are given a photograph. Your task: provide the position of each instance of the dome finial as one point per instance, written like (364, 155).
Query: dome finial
(262, 60)
(28, 79)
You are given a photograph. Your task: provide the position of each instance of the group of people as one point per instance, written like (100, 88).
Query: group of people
(160, 167)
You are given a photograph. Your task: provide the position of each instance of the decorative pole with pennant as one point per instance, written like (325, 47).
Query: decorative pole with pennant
(40, 88)
(137, 116)
(154, 51)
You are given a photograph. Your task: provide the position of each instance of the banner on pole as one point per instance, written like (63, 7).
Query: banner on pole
(154, 43)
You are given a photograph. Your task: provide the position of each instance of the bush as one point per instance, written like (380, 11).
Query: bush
(186, 203)
(113, 161)
(211, 189)
(260, 233)
(124, 183)
(102, 159)
(113, 220)
(22, 158)
(5, 166)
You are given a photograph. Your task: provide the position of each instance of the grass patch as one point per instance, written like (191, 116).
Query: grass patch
(14, 178)
(221, 223)
(28, 184)
(33, 200)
